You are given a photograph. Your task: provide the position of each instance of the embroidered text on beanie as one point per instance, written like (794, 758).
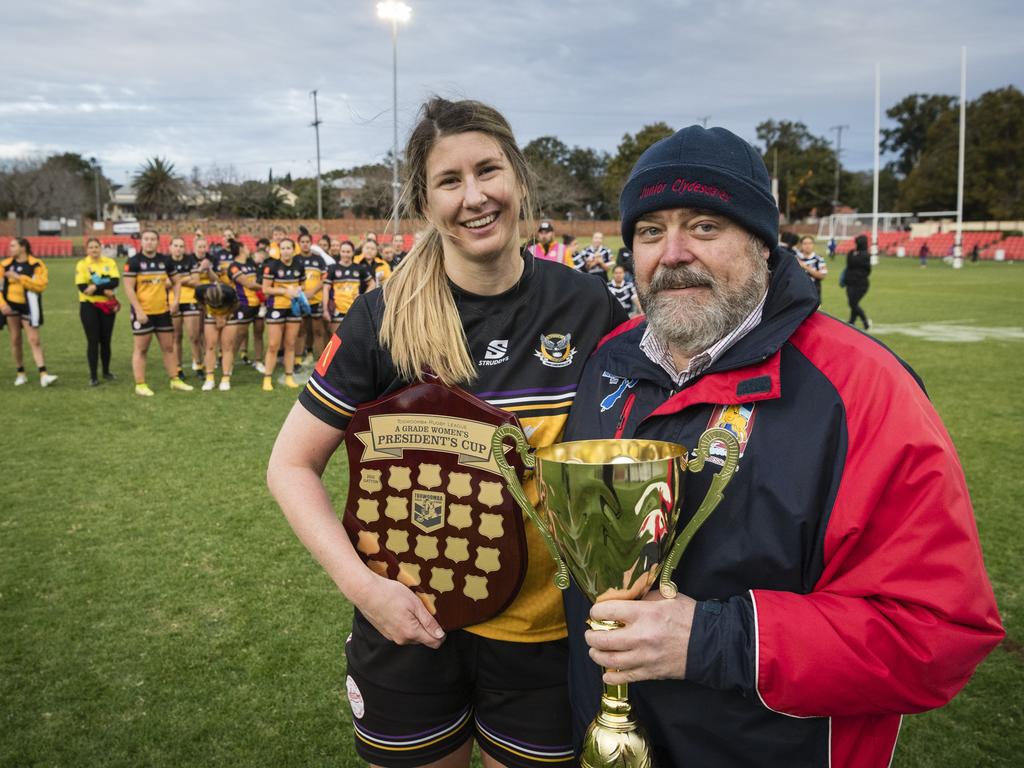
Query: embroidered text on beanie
(707, 168)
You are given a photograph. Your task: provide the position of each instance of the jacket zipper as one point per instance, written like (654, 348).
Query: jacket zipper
(621, 426)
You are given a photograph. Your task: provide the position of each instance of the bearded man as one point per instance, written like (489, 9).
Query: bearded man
(840, 583)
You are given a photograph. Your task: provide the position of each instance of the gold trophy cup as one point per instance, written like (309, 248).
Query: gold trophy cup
(609, 510)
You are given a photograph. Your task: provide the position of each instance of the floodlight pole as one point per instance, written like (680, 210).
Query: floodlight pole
(394, 146)
(958, 251)
(878, 128)
(394, 11)
(319, 185)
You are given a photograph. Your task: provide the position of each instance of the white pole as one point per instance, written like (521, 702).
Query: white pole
(394, 147)
(878, 130)
(958, 251)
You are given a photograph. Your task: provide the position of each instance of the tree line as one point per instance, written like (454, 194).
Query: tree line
(920, 145)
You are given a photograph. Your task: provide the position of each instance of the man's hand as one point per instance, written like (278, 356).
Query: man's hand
(651, 644)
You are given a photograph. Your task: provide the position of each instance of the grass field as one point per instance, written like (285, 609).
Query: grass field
(156, 610)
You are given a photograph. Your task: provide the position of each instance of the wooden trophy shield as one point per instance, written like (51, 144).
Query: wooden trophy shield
(427, 505)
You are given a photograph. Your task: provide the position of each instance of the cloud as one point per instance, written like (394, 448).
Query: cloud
(198, 81)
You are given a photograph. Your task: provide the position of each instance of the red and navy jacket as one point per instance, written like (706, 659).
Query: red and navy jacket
(840, 581)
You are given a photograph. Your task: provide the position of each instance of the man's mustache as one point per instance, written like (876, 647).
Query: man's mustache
(666, 279)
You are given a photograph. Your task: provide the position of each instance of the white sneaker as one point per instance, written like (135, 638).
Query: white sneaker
(225, 385)
(47, 379)
(208, 385)
(260, 368)
(20, 379)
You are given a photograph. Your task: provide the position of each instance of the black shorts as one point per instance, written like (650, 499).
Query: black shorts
(31, 311)
(278, 316)
(243, 315)
(412, 705)
(161, 323)
(316, 311)
(337, 317)
(189, 309)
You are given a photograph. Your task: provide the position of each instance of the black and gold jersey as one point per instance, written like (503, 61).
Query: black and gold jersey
(347, 283)
(185, 268)
(153, 276)
(32, 276)
(240, 272)
(529, 345)
(277, 274)
(315, 267)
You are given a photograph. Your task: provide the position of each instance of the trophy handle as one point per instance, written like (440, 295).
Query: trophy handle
(507, 472)
(711, 500)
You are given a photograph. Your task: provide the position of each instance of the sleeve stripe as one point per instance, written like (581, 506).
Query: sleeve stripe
(331, 402)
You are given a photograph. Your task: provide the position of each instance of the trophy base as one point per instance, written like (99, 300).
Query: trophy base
(615, 741)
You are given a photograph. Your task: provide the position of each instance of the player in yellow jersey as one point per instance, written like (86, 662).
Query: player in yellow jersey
(379, 268)
(96, 277)
(153, 291)
(24, 278)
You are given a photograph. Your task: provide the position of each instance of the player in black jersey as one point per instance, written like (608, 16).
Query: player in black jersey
(515, 331)
(283, 280)
(188, 318)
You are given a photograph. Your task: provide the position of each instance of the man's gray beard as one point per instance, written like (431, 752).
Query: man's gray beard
(691, 325)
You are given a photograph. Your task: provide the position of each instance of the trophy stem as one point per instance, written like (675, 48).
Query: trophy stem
(614, 739)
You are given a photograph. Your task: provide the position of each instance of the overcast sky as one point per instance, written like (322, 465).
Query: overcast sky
(209, 82)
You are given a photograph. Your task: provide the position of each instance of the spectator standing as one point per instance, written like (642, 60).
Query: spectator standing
(624, 259)
(923, 255)
(547, 245)
(96, 277)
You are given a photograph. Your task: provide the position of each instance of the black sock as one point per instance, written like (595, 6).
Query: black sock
(42, 369)
(21, 369)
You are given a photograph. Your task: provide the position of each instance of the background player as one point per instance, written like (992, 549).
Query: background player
(153, 291)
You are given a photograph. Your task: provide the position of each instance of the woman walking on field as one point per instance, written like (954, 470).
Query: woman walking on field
(96, 277)
(858, 267)
(23, 279)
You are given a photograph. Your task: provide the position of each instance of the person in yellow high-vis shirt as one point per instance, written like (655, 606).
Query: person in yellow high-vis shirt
(24, 278)
(96, 277)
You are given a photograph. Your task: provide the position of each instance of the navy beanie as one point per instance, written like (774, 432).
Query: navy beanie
(708, 168)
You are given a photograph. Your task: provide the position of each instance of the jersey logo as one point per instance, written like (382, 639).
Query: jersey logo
(496, 354)
(738, 419)
(556, 350)
(622, 385)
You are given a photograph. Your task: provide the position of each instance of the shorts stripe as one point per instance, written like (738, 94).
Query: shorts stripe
(35, 308)
(417, 740)
(535, 752)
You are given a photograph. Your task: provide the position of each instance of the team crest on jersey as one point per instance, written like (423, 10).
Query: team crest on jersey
(620, 384)
(556, 350)
(738, 419)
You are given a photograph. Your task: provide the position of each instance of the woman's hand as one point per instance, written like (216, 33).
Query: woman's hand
(90, 290)
(141, 317)
(292, 293)
(398, 614)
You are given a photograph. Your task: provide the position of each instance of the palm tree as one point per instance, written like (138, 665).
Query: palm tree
(157, 188)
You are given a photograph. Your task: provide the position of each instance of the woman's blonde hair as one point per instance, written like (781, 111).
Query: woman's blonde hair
(421, 327)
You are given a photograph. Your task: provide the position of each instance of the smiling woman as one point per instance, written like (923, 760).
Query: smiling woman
(512, 333)
(469, 180)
